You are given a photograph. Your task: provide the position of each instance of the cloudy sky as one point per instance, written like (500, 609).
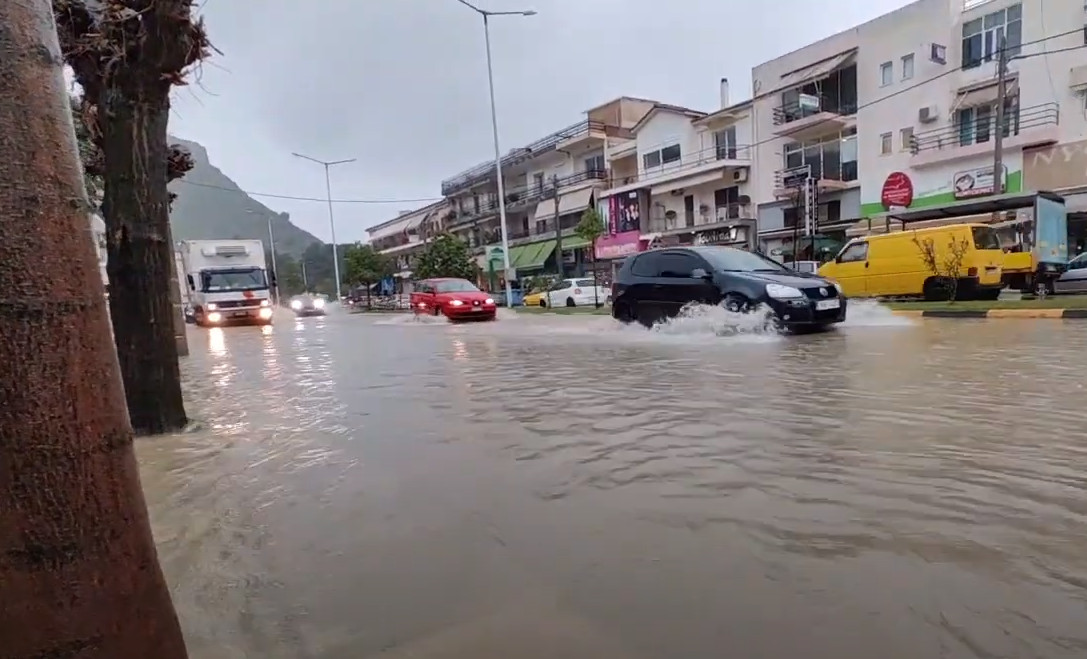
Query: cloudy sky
(401, 85)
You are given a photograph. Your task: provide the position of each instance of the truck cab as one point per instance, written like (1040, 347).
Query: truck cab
(227, 282)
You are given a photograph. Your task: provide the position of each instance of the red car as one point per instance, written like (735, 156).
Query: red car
(456, 299)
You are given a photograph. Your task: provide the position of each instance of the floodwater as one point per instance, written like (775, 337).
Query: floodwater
(558, 487)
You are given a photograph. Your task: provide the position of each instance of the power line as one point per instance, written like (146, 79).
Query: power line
(269, 195)
(922, 83)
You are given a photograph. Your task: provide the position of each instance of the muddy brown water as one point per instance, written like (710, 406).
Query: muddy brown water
(552, 486)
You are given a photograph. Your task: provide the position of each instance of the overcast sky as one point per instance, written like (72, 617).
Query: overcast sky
(402, 84)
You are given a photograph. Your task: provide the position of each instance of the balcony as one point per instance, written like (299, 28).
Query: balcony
(803, 122)
(691, 169)
(830, 177)
(1032, 126)
(520, 198)
(485, 171)
(721, 216)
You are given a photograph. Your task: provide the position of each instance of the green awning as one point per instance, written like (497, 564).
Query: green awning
(573, 242)
(531, 256)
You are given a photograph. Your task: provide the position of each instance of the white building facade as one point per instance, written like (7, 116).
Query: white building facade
(403, 237)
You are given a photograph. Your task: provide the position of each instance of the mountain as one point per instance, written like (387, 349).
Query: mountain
(210, 206)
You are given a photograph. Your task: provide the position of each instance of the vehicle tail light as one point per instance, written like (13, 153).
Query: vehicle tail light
(577, 291)
(972, 272)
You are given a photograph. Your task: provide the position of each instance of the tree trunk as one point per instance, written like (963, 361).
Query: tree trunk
(136, 209)
(79, 576)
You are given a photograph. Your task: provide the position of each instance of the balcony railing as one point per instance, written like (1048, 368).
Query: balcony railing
(663, 223)
(845, 172)
(981, 131)
(687, 162)
(517, 198)
(485, 171)
(790, 112)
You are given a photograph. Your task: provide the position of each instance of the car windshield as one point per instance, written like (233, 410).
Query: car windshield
(240, 279)
(456, 286)
(730, 259)
(985, 238)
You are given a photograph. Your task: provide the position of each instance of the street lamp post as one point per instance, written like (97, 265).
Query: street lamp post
(275, 271)
(494, 128)
(331, 219)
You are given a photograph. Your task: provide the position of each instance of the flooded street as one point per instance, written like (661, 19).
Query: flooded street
(559, 487)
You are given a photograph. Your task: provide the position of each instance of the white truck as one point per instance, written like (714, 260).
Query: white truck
(227, 282)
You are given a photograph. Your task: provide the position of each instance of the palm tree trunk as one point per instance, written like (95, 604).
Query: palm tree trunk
(79, 576)
(136, 208)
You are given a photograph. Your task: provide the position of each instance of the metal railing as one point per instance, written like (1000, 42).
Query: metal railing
(687, 161)
(981, 131)
(662, 223)
(846, 172)
(521, 196)
(790, 112)
(485, 171)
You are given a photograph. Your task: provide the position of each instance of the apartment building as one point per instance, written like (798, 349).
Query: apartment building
(806, 124)
(402, 237)
(548, 185)
(680, 178)
(929, 80)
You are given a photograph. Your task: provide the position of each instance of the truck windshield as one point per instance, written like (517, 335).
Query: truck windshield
(985, 238)
(238, 279)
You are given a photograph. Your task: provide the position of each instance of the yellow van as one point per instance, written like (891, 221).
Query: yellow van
(893, 265)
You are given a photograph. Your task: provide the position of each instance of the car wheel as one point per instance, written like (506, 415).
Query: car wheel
(736, 303)
(543, 303)
(623, 312)
(1043, 288)
(437, 311)
(570, 302)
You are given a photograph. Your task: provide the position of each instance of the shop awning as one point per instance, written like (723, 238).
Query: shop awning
(576, 201)
(545, 210)
(531, 256)
(574, 242)
(984, 95)
(688, 182)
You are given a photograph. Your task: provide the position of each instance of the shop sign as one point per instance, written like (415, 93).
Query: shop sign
(618, 245)
(976, 182)
(719, 236)
(897, 191)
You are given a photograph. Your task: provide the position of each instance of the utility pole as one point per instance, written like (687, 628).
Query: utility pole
(331, 219)
(275, 272)
(1001, 99)
(558, 227)
(305, 280)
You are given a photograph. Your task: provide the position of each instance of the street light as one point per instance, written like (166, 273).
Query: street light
(272, 248)
(331, 220)
(494, 128)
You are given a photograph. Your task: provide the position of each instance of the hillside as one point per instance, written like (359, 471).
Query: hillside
(223, 211)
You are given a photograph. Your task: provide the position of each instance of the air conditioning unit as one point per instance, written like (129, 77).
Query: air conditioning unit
(739, 176)
(927, 114)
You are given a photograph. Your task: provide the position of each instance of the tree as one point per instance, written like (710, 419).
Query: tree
(79, 576)
(590, 228)
(445, 256)
(365, 266)
(126, 55)
(945, 264)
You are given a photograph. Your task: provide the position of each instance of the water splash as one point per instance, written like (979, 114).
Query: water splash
(870, 313)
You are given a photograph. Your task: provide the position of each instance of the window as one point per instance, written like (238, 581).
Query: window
(652, 159)
(725, 142)
(886, 74)
(885, 145)
(738, 260)
(985, 238)
(645, 265)
(677, 265)
(976, 124)
(595, 164)
(905, 138)
(833, 158)
(670, 154)
(538, 181)
(854, 253)
(907, 67)
(587, 283)
(982, 37)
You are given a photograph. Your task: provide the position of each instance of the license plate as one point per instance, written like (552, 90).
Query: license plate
(823, 305)
(477, 308)
(239, 314)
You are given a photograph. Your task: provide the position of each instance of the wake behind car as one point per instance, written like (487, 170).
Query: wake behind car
(656, 285)
(456, 299)
(307, 305)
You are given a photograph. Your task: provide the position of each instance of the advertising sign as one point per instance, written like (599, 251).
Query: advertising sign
(897, 191)
(625, 213)
(618, 245)
(976, 182)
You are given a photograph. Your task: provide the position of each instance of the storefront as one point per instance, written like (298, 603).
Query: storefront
(1060, 169)
(735, 234)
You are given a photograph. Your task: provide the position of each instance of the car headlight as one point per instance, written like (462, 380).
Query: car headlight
(214, 317)
(265, 302)
(456, 303)
(265, 313)
(296, 304)
(212, 306)
(318, 303)
(837, 287)
(489, 300)
(781, 292)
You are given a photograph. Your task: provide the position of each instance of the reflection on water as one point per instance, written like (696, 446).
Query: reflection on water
(556, 486)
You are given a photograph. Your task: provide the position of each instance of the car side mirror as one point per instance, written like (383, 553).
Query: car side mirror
(699, 273)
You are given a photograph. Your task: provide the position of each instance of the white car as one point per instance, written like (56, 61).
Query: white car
(575, 293)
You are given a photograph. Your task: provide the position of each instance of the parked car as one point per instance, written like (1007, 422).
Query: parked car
(537, 299)
(657, 284)
(1074, 279)
(456, 299)
(307, 305)
(894, 264)
(574, 293)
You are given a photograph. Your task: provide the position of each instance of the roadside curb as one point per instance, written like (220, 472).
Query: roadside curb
(1049, 314)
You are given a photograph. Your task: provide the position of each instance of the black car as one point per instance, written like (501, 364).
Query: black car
(307, 305)
(656, 285)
